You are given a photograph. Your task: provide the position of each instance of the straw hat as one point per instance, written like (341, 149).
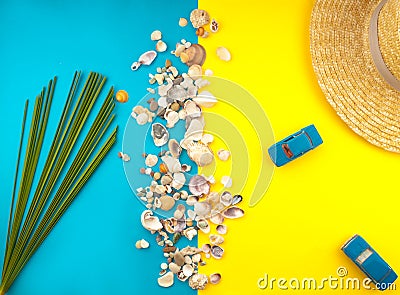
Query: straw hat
(355, 48)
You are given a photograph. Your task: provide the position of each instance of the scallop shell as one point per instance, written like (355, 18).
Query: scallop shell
(215, 278)
(161, 46)
(223, 54)
(198, 281)
(216, 239)
(198, 185)
(150, 222)
(199, 18)
(203, 225)
(174, 148)
(233, 212)
(196, 55)
(200, 153)
(160, 134)
(222, 229)
(217, 252)
(205, 99)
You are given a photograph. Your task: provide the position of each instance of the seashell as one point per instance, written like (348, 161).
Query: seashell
(150, 222)
(166, 280)
(122, 96)
(215, 278)
(200, 153)
(195, 71)
(207, 138)
(208, 72)
(203, 225)
(226, 181)
(166, 179)
(124, 157)
(187, 270)
(173, 164)
(233, 212)
(198, 281)
(226, 198)
(198, 185)
(222, 229)
(192, 109)
(179, 49)
(177, 92)
(214, 26)
(172, 118)
(142, 244)
(216, 239)
(160, 134)
(174, 148)
(180, 225)
(223, 54)
(174, 267)
(159, 78)
(205, 99)
(186, 168)
(190, 233)
(201, 32)
(223, 155)
(184, 57)
(191, 214)
(145, 59)
(236, 199)
(179, 180)
(217, 252)
(217, 218)
(206, 248)
(181, 276)
(200, 83)
(202, 209)
(142, 118)
(160, 189)
(196, 55)
(162, 102)
(157, 203)
(199, 18)
(156, 35)
(195, 130)
(151, 160)
(168, 226)
(183, 22)
(167, 203)
(179, 258)
(191, 200)
(161, 46)
(173, 71)
(190, 250)
(163, 90)
(187, 81)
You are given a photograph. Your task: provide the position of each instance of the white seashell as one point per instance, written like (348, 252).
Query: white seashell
(222, 229)
(226, 181)
(151, 160)
(223, 155)
(233, 212)
(202, 209)
(205, 99)
(191, 92)
(206, 248)
(156, 35)
(160, 134)
(203, 225)
(144, 244)
(174, 148)
(223, 54)
(150, 222)
(191, 214)
(211, 179)
(172, 163)
(198, 185)
(200, 83)
(187, 270)
(167, 203)
(191, 200)
(162, 102)
(226, 198)
(195, 130)
(217, 218)
(216, 239)
(125, 157)
(163, 90)
(192, 109)
(190, 233)
(215, 278)
(182, 114)
(198, 281)
(175, 268)
(142, 118)
(200, 153)
(207, 138)
(174, 71)
(208, 72)
(179, 180)
(166, 280)
(195, 71)
(161, 46)
(187, 81)
(172, 118)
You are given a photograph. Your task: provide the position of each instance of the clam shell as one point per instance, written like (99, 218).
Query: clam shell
(192, 109)
(150, 222)
(160, 134)
(177, 92)
(223, 54)
(222, 229)
(174, 148)
(217, 218)
(200, 153)
(203, 225)
(215, 278)
(161, 46)
(167, 203)
(198, 185)
(156, 35)
(151, 160)
(206, 248)
(199, 18)
(233, 212)
(196, 55)
(166, 280)
(216, 239)
(205, 99)
(217, 251)
(147, 58)
(190, 233)
(187, 270)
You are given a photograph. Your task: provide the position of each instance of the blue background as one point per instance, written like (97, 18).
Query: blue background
(91, 250)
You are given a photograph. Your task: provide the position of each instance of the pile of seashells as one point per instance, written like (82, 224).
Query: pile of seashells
(188, 200)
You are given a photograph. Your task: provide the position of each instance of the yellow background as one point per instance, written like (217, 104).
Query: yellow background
(316, 203)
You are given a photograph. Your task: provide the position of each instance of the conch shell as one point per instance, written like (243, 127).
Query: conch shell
(150, 222)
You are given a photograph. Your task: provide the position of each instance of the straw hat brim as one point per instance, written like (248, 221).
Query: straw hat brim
(346, 72)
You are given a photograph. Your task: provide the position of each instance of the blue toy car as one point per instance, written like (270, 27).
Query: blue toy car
(294, 145)
(362, 254)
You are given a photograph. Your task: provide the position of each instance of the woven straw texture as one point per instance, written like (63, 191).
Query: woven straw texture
(346, 72)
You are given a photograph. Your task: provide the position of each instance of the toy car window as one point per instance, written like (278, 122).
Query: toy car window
(287, 150)
(364, 256)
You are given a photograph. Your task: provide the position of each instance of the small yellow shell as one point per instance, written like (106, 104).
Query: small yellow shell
(122, 96)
